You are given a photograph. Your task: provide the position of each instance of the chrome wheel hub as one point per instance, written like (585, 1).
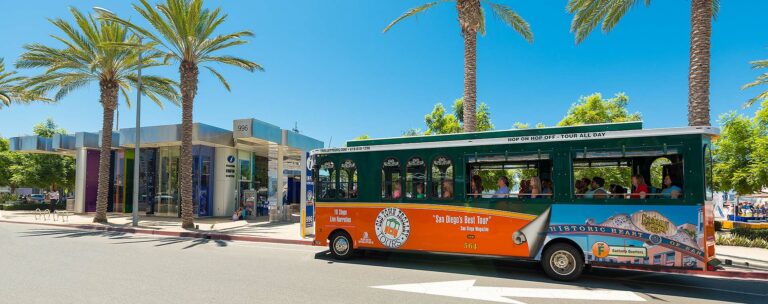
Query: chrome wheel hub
(563, 262)
(341, 246)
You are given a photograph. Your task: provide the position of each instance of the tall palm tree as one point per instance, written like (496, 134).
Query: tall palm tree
(589, 13)
(759, 81)
(11, 90)
(185, 34)
(88, 57)
(472, 21)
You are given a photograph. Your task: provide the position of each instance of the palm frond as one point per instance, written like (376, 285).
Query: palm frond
(221, 78)
(412, 12)
(587, 14)
(234, 61)
(514, 20)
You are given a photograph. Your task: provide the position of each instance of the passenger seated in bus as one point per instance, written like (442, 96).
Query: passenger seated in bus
(670, 189)
(597, 191)
(617, 191)
(525, 188)
(476, 186)
(546, 186)
(582, 187)
(535, 187)
(396, 191)
(419, 191)
(447, 189)
(503, 190)
(639, 188)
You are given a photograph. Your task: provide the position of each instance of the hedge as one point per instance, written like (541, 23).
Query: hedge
(752, 234)
(33, 206)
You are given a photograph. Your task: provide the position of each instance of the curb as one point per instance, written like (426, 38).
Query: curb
(748, 275)
(198, 235)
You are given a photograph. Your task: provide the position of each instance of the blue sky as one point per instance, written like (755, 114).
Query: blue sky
(330, 68)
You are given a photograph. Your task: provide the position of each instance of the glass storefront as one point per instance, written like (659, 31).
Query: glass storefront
(252, 183)
(202, 179)
(167, 186)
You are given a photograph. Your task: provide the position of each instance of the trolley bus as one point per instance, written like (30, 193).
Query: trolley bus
(607, 194)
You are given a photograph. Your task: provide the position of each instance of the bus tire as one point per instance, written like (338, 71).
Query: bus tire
(341, 246)
(562, 262)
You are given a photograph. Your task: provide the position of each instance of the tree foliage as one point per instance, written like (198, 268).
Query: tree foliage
(37, 170)
(741, 152)
(440, 122)
(594, 109)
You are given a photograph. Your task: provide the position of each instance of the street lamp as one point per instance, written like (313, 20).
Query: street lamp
(137, 152)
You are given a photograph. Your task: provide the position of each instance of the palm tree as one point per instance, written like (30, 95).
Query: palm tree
(472, 21)
(88, 57)
(11, 90)
(185, 35)
(589, 13)
(760, 80)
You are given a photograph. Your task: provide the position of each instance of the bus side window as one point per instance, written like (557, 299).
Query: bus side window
(442, 178)
(390, 179)
(416, 178)
(648, 173)
(327, 180)
(348, 179)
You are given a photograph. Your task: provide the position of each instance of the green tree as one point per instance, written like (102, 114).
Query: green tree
(12, 91)
(47, 171)
(593, 109)
(47, 128)
(741, 152)
(185, 34)
(438, 122)
(761, 80)
(412, 132)
(90, 55)
(472, 21)
(589, 13)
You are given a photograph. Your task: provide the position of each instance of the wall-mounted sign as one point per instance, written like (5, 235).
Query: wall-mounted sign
(242, 128)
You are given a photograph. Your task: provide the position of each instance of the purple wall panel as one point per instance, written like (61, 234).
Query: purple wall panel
(91, 180)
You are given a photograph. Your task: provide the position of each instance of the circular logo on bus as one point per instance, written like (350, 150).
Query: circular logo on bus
(392, 227)
(600, 250)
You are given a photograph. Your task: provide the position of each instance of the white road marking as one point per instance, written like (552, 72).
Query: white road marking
(466, 289)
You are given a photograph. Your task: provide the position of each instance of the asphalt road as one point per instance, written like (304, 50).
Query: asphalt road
(40, 264)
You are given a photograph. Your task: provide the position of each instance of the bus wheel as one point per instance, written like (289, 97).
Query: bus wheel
(562, 262)
(341, 246)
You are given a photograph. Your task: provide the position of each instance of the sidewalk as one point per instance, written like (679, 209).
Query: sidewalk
(743, 258)
(212, 228)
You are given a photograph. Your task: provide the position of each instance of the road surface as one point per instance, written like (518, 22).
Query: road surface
(42, 264)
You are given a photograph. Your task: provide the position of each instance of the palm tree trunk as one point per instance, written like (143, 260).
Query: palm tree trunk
(189, 73)
(469, 20)
(698, 71)
(470, 81)
(109, 92)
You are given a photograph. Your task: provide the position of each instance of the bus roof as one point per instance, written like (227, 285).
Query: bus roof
(621, 126)
(518, 136)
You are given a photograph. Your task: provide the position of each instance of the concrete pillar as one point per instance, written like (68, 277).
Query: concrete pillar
(281, 211)
(224, 181)
(81, 161)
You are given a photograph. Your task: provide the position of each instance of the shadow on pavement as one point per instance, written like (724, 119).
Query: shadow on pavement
(122, 237)
(651, 284)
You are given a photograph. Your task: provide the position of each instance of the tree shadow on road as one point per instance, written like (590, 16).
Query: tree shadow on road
(122, 238)
(650, 284)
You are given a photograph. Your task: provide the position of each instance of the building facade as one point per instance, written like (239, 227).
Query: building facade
(257, 166)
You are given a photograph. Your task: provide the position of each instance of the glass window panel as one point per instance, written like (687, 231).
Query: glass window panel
(348, 179)
(442, 178)
(327, 180)
(416, 178)
(391, 179)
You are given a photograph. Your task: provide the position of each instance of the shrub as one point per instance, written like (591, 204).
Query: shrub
(59, 206)
(752, 234)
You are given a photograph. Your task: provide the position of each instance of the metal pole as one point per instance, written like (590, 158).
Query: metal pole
(137, 152)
